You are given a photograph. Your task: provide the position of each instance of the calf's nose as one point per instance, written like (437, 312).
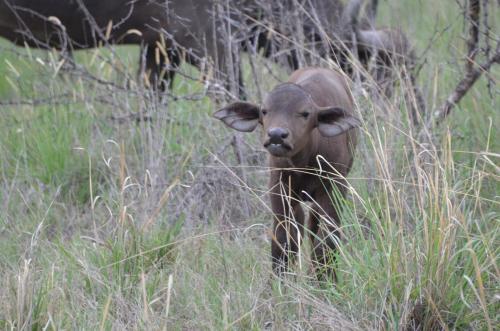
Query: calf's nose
(277, 134)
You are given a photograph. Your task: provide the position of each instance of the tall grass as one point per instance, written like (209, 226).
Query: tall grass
(108, 223)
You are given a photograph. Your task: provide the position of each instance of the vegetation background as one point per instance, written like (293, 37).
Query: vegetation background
(111, 223)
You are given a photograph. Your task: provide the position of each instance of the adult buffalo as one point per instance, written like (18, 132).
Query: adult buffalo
(206, 33)
(307, 32)
(167, 31)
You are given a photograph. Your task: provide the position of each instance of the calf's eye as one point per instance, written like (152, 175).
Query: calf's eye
(304, 114)
(264, 112)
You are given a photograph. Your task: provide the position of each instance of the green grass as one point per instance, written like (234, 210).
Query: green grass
(113, 224)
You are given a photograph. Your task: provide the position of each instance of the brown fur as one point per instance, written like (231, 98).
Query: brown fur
(392, 54)
(324, 95)
(389, 48)
(192, 33)
(193, 29)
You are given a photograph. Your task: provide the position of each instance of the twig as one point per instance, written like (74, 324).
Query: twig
(421, 58)
(487, 41)
(236, 143)
(463, 87)
(372, 12)
(472, 72)
(473, 13)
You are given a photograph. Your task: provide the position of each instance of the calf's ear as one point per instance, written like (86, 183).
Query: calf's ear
(241, 116)
(334, 121)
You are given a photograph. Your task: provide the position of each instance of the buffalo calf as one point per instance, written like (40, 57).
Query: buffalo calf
(307, 125)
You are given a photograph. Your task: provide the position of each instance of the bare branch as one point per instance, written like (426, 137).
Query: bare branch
(473, 14)
(472, 71)
(464, 86)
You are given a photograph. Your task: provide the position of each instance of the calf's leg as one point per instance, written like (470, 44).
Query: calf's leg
(287, 232)
(324, 222)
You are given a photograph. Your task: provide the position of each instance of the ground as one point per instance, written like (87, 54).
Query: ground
(111, 223)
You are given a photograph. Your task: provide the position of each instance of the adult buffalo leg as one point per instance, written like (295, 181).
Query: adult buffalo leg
(160, 69)
(287, 230)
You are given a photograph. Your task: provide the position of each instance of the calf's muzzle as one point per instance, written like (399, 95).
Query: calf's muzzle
(276, 141)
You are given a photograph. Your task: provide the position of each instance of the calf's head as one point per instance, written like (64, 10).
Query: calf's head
(288, 116)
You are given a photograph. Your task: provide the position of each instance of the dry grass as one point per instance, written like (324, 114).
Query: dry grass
(106, 223)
